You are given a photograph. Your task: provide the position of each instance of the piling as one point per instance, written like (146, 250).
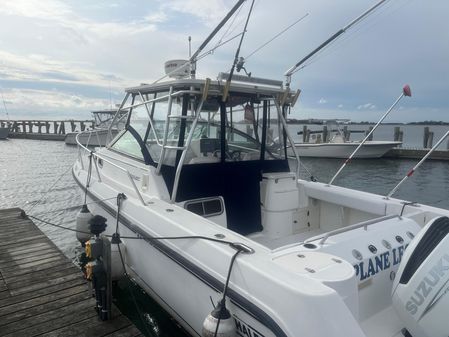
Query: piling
(325, 134)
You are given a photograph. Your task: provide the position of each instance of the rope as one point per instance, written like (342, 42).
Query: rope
(140, 237)
(225, 291)
(276, 36)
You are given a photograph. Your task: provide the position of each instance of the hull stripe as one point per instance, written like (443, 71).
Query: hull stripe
(237, 299)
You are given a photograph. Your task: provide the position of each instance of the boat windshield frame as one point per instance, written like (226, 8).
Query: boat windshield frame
(194, 98)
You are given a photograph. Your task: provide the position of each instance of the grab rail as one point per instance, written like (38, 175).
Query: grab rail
(82, 147)
(364, 224)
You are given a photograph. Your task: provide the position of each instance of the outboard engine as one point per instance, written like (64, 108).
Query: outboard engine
(421, 287)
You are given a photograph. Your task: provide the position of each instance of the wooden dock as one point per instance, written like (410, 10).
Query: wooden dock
(42, 292)
(403, 153)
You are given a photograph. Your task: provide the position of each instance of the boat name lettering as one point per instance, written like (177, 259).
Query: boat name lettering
(245, 330)
(377, 263)
(425, 287)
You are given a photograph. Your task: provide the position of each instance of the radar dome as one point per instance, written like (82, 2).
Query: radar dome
(177, 68)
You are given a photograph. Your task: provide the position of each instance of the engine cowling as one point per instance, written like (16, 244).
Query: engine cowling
(421, 288)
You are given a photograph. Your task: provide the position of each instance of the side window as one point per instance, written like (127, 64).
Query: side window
(127, 144)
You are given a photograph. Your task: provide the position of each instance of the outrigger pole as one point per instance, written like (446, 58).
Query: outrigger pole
(410, 173)
(405, 92)
(211, 36)
(293, 69)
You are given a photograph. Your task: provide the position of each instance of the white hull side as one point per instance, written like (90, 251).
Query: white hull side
(371, 149)
(182, 275)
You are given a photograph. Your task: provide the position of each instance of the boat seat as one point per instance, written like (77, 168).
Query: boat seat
(238, 183)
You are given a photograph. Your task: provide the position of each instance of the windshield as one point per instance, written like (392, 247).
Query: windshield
(243, 129)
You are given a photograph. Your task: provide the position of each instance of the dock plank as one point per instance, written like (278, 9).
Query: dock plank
(41, 291)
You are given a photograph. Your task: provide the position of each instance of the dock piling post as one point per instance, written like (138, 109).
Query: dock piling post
(304, 133)
(368, 131)
(346, 133)
(307, 136)
(397, 130)
(325, 134)
(425, 137)
(430, 140)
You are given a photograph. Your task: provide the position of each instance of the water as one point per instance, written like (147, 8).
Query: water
(29, 168)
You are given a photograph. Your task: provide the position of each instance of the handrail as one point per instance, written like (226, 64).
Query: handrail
(139, 195)
(166, 126)
(157, 99)
(290, 139)
(364, 224)
(189, 140)
(183, 155)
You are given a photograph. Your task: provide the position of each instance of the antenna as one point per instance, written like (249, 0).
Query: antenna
(405, 92)
(190, 47)
(293, 69)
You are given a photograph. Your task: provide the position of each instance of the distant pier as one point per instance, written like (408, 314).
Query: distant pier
(45, 129)
(41, 291)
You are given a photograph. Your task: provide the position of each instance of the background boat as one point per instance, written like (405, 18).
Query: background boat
(371, 149)
(99, 134)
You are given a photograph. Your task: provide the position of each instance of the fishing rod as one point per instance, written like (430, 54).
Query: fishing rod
(293, 69)
(192, 59)
(410, 173)
(405, 92)
(196, 56)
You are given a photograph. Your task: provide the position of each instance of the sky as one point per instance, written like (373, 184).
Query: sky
(65, 58)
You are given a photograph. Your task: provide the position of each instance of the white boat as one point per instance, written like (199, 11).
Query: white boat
(99, 135)
(335, 143)
(213, 212)
(4, 132)
(314, 250)
(343, 149)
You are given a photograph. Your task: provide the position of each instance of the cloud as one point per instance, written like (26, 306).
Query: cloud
(322, 101)
(340, 106)
(23, 103)
(210, 12)
(41, 68)
(367, 106)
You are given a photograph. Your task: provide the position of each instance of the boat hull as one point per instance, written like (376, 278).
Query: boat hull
(183, 276)
(371, 149)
